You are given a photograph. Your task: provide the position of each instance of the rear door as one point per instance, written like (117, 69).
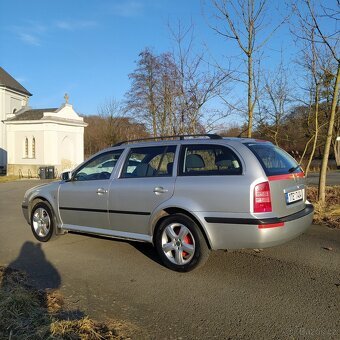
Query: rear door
(146, 181)
(286, 178)
(211, 177)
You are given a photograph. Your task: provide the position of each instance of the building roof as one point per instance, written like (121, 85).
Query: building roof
(8, 81)
(31, 114)
(28, 115)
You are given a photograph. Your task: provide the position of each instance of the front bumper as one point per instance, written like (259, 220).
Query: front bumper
(24, 208)
(230, 233)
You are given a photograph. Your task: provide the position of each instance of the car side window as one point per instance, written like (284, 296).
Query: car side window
(208, 160)
(98, 168)
(154, 161)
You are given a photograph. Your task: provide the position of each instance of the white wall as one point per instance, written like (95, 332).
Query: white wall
(16, 143)
(55, 144)
(9, 101)
(3, 157)
(59, 141)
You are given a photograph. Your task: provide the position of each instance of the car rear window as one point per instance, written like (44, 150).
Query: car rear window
(273, 159)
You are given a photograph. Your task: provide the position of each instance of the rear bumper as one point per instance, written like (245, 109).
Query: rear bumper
(232, 233)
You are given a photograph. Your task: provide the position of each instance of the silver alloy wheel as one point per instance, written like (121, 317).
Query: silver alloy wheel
(178, 243)
(41, 222)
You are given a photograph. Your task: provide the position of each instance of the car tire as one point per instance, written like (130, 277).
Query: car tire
(42, 222)
(180, 243)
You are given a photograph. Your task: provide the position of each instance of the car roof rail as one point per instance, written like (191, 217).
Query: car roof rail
(181, 137)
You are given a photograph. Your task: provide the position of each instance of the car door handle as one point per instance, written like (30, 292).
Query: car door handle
(160, 190)
(101, 191)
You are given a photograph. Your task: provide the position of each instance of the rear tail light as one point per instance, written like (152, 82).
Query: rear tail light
(262, 199)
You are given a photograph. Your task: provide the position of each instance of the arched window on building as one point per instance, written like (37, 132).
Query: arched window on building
(33, 147)
(26, 148)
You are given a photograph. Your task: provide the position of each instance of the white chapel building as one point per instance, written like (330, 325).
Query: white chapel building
(31, 139)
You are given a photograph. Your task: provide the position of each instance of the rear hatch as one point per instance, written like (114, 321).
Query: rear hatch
(285, 176)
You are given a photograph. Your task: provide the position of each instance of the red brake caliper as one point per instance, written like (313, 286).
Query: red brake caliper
(188, 240)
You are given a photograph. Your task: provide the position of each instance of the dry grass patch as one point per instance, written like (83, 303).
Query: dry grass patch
(331, 215)
(27, 313)
(84, 328)
(4, 179)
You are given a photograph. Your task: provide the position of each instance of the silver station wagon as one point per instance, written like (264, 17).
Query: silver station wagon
(187, 195)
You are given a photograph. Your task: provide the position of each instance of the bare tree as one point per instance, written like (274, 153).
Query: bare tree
(310, 59)
(110, 126)
(197, 81)
(103, 128)
(335, 141)
(330, 41)
(110, 111)
(170, 91)
(278, 93)
(318, 64)
(141, 98)
(167, 95)
(243, 21)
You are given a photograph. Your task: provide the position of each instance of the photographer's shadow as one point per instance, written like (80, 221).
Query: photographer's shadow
(31, 282)
(33, 262)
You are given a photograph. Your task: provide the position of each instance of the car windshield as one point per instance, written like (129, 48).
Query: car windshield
(274, 160)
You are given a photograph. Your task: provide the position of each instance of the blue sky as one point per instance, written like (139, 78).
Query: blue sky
(87, 48)
(84, 48)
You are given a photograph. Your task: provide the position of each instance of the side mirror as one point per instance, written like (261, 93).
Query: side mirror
(66, 176)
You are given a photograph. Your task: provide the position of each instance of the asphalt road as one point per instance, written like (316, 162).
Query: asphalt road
(333, 178)
(291, 291)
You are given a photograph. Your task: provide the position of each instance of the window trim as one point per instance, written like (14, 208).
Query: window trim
(33, 147)
(26, 148)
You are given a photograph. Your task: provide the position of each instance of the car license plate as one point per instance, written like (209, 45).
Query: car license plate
(294, 196)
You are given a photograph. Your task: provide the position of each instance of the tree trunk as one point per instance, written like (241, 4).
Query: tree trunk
(311, 156)
(323, 172)
(250, 97)
(337, 153)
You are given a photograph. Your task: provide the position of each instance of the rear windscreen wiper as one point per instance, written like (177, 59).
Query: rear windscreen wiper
(294, 168)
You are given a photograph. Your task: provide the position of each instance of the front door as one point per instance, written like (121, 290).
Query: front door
(83, 201)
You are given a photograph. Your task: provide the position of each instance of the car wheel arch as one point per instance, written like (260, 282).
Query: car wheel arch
(37, 200)
(34, 202)
(176, 210)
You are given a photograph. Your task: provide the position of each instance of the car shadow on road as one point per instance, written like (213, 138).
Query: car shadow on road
(148, 250)
(145, 248)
